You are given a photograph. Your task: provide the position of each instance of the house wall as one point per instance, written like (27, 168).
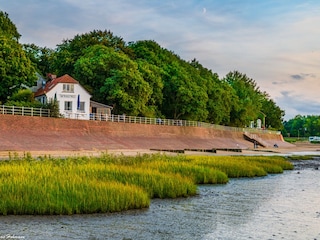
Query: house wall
(72, 97)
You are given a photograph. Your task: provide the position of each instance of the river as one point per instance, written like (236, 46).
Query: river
(281, 206)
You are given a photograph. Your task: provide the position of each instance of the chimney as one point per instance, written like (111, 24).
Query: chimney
(51, 77)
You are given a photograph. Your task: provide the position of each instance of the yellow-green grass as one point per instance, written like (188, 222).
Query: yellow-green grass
(244, 166)
(302, 157)
(156, 184)
(199, 174)
(83, 185)
(47, 188)
(170, 164)
(116, 183)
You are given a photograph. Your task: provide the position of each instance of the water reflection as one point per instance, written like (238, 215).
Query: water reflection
(284, 206)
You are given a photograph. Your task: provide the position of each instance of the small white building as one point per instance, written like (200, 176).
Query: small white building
(72, 98)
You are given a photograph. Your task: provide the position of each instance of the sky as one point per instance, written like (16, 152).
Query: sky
(274, 42)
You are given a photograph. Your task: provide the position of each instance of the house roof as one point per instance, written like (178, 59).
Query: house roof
(51, 84)
(99, 105)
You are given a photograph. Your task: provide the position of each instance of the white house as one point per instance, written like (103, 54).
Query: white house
(73, 99)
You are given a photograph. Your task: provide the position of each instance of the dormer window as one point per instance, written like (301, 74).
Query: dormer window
(68, 88)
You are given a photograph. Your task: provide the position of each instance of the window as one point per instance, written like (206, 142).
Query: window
(68, 106)
(81, 106)
(68, 88)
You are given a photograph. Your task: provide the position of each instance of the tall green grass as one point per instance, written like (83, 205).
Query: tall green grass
(49, 187)
(110, 183)
(244, 166)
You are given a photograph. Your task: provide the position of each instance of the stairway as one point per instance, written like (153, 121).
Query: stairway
(255, 139)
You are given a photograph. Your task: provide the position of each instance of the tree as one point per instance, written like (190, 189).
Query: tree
(147, 50)
(7, 27)
(183, 98)
(53, 106)
(220, 95)
(249, 99)
(23, 98)
(272, 114)
(15, 67)
(114, 79)
(40, 57)
(71, 50)
(152, 75)
(184, 91)
(302, 126)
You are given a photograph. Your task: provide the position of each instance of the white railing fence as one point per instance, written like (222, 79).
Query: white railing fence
(41, 112)
(173, 122)
(25, 111)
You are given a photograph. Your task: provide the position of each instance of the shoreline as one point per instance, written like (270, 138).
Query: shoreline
(301, 148)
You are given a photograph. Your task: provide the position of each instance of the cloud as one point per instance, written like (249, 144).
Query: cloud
(295, 104)
(302, 76)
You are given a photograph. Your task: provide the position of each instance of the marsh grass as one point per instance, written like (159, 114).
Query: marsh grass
(199, 174)
(155, 183)
(108, 183)
(244, 166)
(49, 187)
(302, 157)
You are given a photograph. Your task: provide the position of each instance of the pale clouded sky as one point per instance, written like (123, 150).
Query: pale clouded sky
(274, 42)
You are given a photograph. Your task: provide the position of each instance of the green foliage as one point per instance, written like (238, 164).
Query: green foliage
(7, 27)
(23, 98)
(15, 68)
(152, 75)
(40, 57)
(221, 96)
(71, 50)
(273, 114)
(249, 99)
(302, 126)
(23, 95)
(54, 108)
(116, 79)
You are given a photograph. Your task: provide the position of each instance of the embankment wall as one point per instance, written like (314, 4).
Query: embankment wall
(22, 133)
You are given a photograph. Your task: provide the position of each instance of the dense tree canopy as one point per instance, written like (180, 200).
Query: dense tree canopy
(15, 67)
(248, 103)
(302, 126)
(271, 113)
(71, 50)
(115, 79)
(7, 27)
(40, 57)
(138, 78)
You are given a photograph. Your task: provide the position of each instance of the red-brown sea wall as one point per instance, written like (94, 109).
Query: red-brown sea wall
(23, 133)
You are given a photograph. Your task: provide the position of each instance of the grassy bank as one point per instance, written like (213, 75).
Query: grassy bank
(116, 183)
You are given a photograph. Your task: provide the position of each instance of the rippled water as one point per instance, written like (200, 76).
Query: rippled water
(284, 206)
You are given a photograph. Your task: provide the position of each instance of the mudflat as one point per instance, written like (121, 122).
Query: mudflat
(300, 148)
